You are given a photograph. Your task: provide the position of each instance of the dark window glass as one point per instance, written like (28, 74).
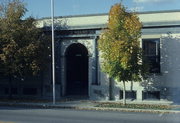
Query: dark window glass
(14, 91)
(151, 50)
(30, 91)
(129, 94)
(151, 95)
(2, 76)
(6, 91)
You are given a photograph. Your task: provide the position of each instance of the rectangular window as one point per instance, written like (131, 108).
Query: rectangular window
(129, 94)
(30, 91)
(151, 95)
(2, 75)
(14, 91)
(151, 51)
(6, 91)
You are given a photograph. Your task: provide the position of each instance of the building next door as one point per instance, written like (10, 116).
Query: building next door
(76, 70)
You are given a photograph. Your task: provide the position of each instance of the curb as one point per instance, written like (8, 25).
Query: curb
(137, 110)
(49, 106)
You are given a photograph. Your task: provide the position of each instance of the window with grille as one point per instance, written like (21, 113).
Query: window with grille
(151, 52)
(151, 95)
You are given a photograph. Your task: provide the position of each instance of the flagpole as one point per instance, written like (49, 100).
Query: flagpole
(53, 54)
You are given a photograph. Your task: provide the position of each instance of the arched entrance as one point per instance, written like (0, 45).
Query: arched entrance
(76, 70)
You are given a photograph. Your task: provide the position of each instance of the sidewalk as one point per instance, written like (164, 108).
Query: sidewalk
(81, 105)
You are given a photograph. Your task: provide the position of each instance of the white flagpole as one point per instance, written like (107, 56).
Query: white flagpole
(53, 57)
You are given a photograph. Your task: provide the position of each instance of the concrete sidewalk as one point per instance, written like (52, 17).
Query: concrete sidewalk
(81, 105)
(64, 104)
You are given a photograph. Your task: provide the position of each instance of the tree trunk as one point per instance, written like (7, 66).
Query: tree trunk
(131, 90)
(110, 89)
(10, 87)
(124, 93)
(131, 86)
(42, 82)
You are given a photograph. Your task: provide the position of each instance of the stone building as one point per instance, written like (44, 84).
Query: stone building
(78, 65)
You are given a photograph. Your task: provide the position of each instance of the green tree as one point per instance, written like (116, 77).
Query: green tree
(23, 47)
(119, 47)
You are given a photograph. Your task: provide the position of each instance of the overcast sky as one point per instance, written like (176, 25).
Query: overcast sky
(41, 8)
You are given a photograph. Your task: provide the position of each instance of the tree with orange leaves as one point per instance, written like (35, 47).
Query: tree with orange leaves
(119, 47)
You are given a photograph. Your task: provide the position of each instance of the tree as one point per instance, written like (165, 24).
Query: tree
(119, 46)
(23, 46)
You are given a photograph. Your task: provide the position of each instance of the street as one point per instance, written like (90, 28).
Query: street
(35, 115)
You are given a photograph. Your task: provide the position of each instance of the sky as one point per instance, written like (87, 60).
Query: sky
(41, 8)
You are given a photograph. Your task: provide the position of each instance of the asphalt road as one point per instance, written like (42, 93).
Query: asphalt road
(25, 115)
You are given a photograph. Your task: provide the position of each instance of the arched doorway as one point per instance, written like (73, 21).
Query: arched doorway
(76, 70)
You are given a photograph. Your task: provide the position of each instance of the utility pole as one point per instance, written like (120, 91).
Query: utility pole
(53, 52)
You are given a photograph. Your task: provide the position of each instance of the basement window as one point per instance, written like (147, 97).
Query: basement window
(150, 95)
(129, 94)
(30, 91)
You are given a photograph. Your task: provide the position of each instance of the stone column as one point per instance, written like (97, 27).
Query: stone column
(95, 62)
(139, 95)
(63, 75)
(90, 76)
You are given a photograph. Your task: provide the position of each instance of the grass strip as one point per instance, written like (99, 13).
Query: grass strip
(136, 106)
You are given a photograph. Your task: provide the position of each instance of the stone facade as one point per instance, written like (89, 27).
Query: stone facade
(74, 32)
(85, 30)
